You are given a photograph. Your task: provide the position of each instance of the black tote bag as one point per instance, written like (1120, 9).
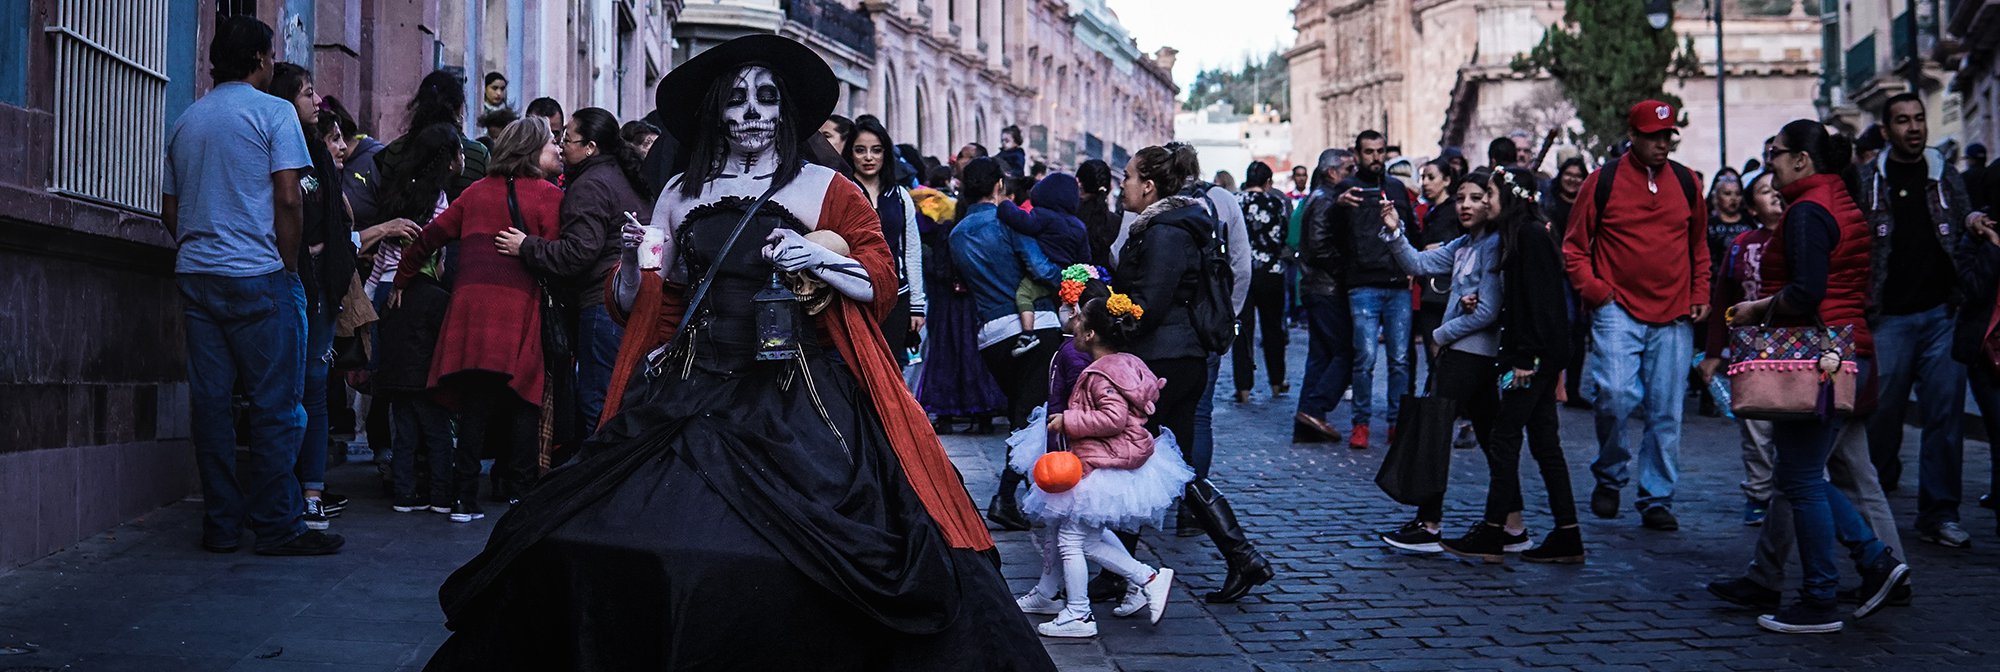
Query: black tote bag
(1418, 464)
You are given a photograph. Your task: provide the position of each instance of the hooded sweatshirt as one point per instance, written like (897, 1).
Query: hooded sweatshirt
(1053, 223)
(1107, 413)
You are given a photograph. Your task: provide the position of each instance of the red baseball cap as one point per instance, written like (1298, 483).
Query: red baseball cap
(1651, 116)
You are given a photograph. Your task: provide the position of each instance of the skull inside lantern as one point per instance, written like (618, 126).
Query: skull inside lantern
(777, 321)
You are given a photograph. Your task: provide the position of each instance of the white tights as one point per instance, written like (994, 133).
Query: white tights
(1064, 550)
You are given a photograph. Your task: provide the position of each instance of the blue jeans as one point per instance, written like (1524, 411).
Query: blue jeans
(1384, 312)
(596, 353)
(1821, 515)
(1202, 453)
(311, 468)
(1329, 353)
(1639, 367)
(1914, 351)
(248, 330)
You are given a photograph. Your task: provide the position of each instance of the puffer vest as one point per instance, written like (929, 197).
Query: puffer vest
(1846, 301)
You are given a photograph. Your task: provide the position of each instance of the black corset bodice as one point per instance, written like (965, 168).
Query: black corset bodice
(725, 331)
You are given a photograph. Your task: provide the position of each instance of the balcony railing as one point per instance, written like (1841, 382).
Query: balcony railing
(835, 22)
(1860, 62)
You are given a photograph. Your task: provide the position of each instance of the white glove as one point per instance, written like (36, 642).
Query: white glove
(793, 253)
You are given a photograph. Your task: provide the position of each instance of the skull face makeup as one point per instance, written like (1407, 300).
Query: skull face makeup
(752, 113)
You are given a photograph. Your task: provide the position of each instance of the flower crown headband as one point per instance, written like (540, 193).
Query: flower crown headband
(1520, 192)
(1076, 277)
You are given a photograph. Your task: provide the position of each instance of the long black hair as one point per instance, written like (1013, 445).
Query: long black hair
(440, 99)
(596, 124)
(889, 177)
(976, 182)
(1520, 212)
(1831, 153)
(710, 146)
(1099, 223)
(287, 79)
(414, 195)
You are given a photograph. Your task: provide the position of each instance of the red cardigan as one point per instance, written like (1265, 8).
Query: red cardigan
(494, 322)
(856, 332)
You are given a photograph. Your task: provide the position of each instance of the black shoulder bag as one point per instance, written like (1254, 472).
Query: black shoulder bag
(555, 315)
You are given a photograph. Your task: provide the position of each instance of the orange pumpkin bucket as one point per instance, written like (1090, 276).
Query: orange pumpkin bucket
(1058, 471)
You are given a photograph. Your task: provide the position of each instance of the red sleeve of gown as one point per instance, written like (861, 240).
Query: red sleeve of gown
(857, 332)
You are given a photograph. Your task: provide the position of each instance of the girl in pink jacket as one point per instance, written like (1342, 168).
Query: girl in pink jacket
(1130, 477)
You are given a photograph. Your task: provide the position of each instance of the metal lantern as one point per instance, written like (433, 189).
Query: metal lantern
(777, 321)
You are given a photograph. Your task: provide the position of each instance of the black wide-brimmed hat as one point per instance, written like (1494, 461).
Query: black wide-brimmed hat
(809, 82)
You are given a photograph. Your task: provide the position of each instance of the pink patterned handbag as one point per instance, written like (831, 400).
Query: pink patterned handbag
(1792, 373)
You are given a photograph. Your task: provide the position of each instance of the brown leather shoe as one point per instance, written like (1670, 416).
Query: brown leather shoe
(1308, 428)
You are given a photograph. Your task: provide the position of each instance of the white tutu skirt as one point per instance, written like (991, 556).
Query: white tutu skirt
(1028, 444)
(1120, 499)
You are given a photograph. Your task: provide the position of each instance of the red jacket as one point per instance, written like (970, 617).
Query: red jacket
(1107, 413)
(1649, 253)
(494, 323)
(1847, 275)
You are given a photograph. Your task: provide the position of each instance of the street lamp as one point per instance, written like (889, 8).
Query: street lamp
(1658, 12)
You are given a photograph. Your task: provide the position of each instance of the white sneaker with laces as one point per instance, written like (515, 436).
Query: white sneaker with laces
(1133, 602)
(1034, 603)
(1068, 624)
(1156, 591)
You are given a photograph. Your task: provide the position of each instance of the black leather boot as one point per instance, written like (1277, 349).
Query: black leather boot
(1247, 568)
(1184, 521)
(1005, 510)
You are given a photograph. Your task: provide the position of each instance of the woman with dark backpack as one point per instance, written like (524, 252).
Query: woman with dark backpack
(1160, 267)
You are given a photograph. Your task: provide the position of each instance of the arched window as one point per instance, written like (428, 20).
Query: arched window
(920, 116)
(889, 101)
(951, 131)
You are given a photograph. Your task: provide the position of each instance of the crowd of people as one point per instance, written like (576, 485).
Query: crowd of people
(564, 296)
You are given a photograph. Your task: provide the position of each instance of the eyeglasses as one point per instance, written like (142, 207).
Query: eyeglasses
(1775, 152)
(567, 141)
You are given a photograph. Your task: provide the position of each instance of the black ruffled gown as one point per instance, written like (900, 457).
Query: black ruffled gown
(750, 516)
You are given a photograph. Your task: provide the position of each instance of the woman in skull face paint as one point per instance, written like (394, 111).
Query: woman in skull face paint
(756, 498)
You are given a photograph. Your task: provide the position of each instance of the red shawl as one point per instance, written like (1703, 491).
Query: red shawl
(856, 332)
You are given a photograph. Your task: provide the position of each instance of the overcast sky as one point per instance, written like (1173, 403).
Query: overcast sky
(1208, 33)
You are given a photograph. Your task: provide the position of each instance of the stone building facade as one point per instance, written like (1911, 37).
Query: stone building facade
(1974, 31)
(1436, 73)
(93, 398)
(943, 73)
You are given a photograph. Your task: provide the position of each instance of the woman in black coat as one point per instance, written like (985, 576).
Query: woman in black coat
(1160, 268)
(1534, 349)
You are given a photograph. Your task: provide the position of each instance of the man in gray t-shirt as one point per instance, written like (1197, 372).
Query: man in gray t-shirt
(231, 201)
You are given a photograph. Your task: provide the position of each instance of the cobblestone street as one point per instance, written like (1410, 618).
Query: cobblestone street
(144, 597)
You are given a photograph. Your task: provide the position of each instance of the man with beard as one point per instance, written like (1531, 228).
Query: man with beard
(1378, 293)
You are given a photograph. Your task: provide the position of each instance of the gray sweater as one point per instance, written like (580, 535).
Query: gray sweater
(1474, 265)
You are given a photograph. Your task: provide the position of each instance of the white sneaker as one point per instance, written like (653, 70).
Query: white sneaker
(1069, 625)
(1034, 603)
(1157, 591)
(1133, 602)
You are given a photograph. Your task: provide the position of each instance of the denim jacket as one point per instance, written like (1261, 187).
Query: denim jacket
(992, 259)
(1473, 263)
